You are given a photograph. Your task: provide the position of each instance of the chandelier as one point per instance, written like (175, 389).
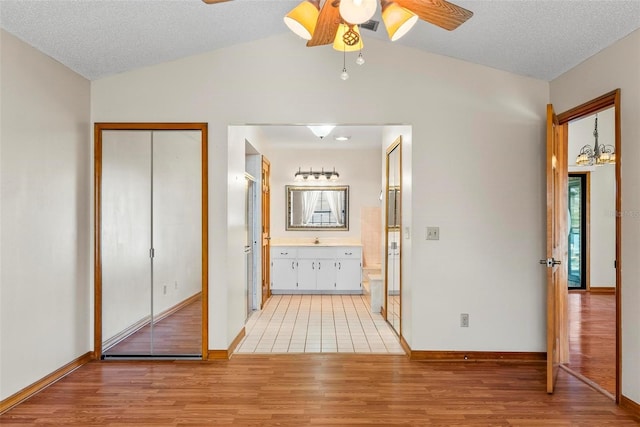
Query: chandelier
(598, 155)
(320, 175)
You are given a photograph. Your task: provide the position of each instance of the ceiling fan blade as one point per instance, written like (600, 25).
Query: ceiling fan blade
(327, 25)
(214, 1)
(438, 12)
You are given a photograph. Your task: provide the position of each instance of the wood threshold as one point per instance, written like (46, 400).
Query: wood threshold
(603, 290)
(226, 354)
(44, 382)
(477, 356)
(630, 405)
(588, 382)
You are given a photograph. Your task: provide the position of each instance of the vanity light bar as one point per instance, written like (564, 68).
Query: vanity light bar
(317, 175)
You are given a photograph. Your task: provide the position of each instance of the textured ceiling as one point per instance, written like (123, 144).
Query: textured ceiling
(97, 38)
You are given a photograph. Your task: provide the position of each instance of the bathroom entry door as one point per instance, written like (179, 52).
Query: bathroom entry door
(150, 247)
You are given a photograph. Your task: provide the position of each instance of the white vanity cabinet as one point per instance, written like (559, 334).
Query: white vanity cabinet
(316, 269)
(284, 268)
(348, 268)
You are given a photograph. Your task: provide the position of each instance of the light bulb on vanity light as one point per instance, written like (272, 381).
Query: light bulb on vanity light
(344, 75)
(360, 59)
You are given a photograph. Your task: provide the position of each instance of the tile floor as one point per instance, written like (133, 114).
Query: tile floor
(318, 324)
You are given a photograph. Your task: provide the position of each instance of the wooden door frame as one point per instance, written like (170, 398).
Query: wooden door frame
(265, 282)
(97, 216)
(608, 100)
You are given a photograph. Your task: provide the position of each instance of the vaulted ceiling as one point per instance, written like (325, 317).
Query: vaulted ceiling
(97, 38)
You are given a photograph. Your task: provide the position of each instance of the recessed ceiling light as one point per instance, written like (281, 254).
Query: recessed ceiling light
(342, 138)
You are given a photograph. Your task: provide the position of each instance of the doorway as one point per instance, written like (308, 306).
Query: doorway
(609, 101)
(579, 208)
(150, 240)
(359, 161)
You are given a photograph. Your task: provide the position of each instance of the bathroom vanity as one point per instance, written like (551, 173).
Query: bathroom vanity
(316, 269)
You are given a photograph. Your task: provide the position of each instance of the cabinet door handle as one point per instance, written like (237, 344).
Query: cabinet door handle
(284, 253)
(318, 265)
(292, 264)
(339, 266)
(348, 253)
(313, 265)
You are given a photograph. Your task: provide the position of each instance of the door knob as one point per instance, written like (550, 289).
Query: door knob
(550, 262)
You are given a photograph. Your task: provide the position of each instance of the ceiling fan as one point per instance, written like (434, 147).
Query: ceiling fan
(341, 17)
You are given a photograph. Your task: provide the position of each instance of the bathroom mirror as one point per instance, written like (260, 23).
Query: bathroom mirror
(393, 236)
(317, 207)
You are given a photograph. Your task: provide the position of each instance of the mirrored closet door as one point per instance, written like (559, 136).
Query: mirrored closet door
(149, 241)
(393, 235)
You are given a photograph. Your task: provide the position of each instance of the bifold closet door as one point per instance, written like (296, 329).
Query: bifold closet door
(151, 243)
(126, 242)
(177, 242)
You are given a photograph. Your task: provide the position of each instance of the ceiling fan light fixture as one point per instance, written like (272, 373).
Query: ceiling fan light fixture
(340, 45)
(357, 11)
(302, 19)
(398, 20)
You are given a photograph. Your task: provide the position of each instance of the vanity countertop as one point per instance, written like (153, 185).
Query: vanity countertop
(321, 244)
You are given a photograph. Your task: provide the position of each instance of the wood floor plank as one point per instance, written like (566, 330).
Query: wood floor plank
(315, 389)
(592, 337)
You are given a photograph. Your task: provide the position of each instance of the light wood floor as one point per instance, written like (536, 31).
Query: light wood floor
(316, 389)
(592, 337)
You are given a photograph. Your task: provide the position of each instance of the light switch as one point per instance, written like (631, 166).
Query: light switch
(433, 233)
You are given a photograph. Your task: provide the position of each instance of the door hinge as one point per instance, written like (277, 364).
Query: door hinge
(615, 263)
(152, 253)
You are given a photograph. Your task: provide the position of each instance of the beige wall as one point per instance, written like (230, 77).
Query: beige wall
(472, 126)
(45, 305)
(618, 67)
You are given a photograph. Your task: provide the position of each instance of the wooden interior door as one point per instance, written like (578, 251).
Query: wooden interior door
(557, 245)
(266, 230)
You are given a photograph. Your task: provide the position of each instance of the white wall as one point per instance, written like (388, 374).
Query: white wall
(602, 240)
(618, 67)
(603, 227)
(359, 169)
(45, 308)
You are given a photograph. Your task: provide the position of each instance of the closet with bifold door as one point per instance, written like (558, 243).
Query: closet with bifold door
(150, 240)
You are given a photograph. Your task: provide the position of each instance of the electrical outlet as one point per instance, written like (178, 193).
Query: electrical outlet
(464, 320)
(433, 233)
